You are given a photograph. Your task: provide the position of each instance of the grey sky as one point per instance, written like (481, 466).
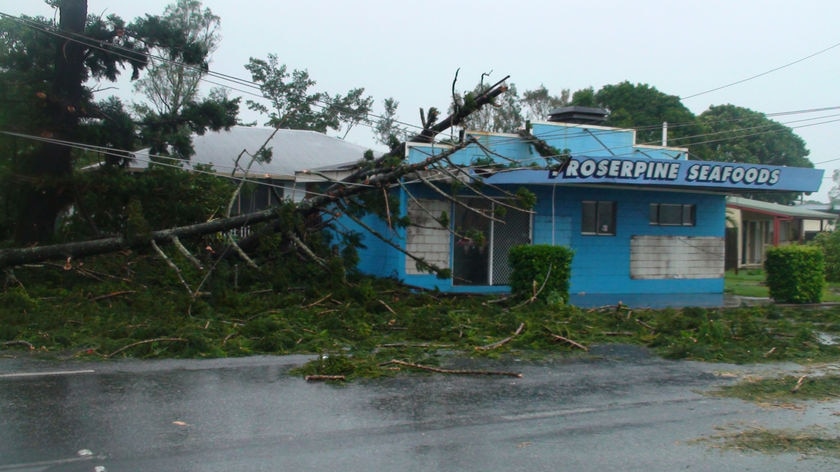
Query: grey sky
(410, 50)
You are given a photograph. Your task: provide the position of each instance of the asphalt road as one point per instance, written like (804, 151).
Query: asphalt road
(615, 409)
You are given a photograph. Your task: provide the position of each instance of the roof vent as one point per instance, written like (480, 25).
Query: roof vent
(578, 115)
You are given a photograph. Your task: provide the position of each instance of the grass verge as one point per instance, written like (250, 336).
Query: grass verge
(128, 308)
(784, 389)
(813, 441)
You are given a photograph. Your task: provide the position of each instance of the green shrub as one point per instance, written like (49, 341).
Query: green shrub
(542, 268)
(830, 245)
(795, 274)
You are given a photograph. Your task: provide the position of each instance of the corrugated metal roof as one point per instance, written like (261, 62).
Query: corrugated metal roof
(292, 150)
(777, 209)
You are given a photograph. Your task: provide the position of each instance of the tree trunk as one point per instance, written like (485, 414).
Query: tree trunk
(46, 174)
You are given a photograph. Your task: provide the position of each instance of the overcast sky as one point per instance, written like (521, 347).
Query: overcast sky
(410, 50)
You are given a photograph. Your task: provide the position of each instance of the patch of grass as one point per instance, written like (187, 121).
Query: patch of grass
(746, 283)
(750, 283)
(813, 441)
(784, 389)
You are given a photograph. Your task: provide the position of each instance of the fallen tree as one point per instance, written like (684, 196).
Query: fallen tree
(381, 172)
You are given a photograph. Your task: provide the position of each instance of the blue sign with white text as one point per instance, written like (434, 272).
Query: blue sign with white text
(662, 172)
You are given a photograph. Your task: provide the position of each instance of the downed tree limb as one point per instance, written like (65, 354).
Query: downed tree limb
(576, 344)
(449, 371)
(147, 341)
(501, 343)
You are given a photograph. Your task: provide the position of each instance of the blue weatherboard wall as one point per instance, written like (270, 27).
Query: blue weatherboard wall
(601, 264)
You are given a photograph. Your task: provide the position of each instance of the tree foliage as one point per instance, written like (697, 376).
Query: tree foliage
(538, 103)
(641, 107)
(169, 84)
(51, 69)
(387, 129)
(293, 105)
(725, 133)
(736, 134)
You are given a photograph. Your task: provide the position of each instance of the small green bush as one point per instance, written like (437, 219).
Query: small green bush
(795, 274)
(830, 244)
(541, 266)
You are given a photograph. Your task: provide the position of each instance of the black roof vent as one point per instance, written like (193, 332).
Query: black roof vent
(578, 115)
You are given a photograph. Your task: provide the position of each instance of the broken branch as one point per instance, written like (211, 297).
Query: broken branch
(576, 344)
(171, 265)
(18, 342)
(503, 341)
(798, 384)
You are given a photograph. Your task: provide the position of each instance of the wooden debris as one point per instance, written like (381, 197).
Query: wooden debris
(645, 325)
(618, 333)
(318, 301)
(449, 371)
(18, 342)
(388, 307)
(798, 384)
(112, 294)
(576, 344)
(503, 341)
(322, 378)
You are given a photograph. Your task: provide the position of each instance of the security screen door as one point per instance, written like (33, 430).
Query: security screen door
(483, 240)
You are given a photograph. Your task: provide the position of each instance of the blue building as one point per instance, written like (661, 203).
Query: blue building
(647, 225)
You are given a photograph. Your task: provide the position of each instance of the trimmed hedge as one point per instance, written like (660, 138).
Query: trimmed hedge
(795, 274)
(532, 263)
(829, 242)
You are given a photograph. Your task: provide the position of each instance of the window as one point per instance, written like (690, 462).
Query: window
(598, 218)
(670, 214)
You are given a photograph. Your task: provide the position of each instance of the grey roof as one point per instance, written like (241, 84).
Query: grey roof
(775, 208)
(292, 150)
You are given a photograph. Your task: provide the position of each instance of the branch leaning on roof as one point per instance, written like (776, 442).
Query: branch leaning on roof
(428, 134)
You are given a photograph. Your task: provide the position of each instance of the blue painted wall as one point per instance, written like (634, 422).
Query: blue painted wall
(602, 263)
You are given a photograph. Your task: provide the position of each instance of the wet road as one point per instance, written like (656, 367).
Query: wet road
(616, 409)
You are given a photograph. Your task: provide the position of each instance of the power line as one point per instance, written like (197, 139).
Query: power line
(821, 51)
(130, 54)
